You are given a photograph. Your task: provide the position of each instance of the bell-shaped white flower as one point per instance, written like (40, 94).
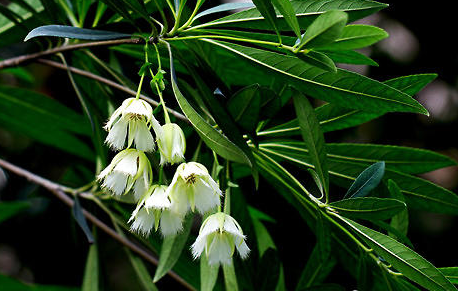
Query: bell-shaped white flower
(219, 236)
(153, 209)
(171, 144)
(192, 187)
(129, 169)
(131, 123)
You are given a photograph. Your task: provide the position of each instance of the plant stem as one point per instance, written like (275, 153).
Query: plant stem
(191, 18)
(140, 86)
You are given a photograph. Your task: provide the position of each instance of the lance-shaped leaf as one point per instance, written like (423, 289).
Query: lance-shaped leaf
(400, 222)
(450, 273)
(244, 107)
(287, 11)
(369, 208)
(411, 264)
(312, 136)
(306, 12)
(318, 60)
(343, 88)
(357, 36)
(78, 215)
(74, 32)
(212, 138)
(267, 10)
(225, 7)
(366, 181)
(324, 30)
(171, 249)
(91, 271)
(316, 270)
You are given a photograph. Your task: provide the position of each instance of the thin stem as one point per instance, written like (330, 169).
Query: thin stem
(69, 12)
(193, 14)
(254, 41)
(137, 96)
(16, 61)
(109, 83)
(171, 8)
(159, 92)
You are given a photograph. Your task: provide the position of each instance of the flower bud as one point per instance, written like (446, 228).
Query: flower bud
(172, 144)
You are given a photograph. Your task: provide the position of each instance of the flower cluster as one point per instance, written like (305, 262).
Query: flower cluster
(164, 207)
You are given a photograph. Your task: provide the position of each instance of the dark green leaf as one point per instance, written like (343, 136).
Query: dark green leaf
(400, 221)
(318, 60)
(10, 209)
(123, 8)
(244, 107)
(411, 264)
(365, 281)
(326, 287)
(91, 271)
(394, 233)
(357, 36)
(316, 270)
(450, 273)
(412, 84)
(324, 30)
(263, 237)
(369, 208)
(230, 278)
(267, 10)
(286, 9)
(74, 32)
(208, 274)
(323, 234)
(342, 88)
(349, 57)
(10, 284)
(143, 274)
(268, 270)
(225, 7)
(78, 215)
(212, 138)
(366, 181)
(171, 249)
(313, 137)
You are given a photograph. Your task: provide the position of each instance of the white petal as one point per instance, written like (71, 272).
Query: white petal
(231, 226)
(198, 246)
(220, 250)
(193, 168)
(116, 182)
(116, 137)
(144, 222)
(113, 118)
(158, 199)
(138, 107)
(141, 186)
(205, 197)
(179, 199)
(143, 138)
(171, 223)
(128, 164)
(211, 224)
(242, 248)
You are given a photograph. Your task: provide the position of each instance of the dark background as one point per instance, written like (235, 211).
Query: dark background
(422, 41)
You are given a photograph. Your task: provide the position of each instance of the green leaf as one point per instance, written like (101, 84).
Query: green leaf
(140, 269)
(171, 249)
(10, 209)
(316, 270)
(267, 10)
(400, 221)
(318, 60)
(244, 107)
(230, 278)
(324, 30)
(78, 215)
(225, 7)
(365, 280)
(212, 138)
(263, 237)
(450, 273)
(286, 9)
(208, 274)
(306, 12)
(74, 32)
(323, 234)
(326, 287)
(11, 284)
(91, 271)
(313, 137)
(123, 8)
(369, 208)
(394, 233)
(412, 84)
(411, 264)
(357, 36)
(349, 57)
(343, 88)
(366, 181)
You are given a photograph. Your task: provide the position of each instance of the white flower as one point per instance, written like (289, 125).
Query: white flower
(192, 187)
(171, 144)
(155, 208)
(132, 120)
(219, 235)
(129, 169)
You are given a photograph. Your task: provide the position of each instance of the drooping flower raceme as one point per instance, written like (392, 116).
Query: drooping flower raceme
(219, 236)
(132, 121)
(171, 144)
(192, 187)
(129, 169)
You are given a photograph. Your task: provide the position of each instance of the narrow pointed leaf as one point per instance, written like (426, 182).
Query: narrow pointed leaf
(286, 9)
(230, 278)
(357, 36)
(172, 247)
(318, 60)
(324, 30)
(366, 181)
(369, 208)
(225, 7)
(323, 234)
(10, 209)
(78, 215)
(343, 88)
(142, 272)
(313, 137)
(316, 270)
(91, 271)
(74, 32)
(450, 273)
(411, 264)
(400, 222)
(267, 10)
(208, 274)
(244, 107)
(349, 57)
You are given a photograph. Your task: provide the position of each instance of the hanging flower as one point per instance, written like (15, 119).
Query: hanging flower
(132, 120)
(192, 187)
(129, 169)
(219, 236)
(155, 208)
(171, 144)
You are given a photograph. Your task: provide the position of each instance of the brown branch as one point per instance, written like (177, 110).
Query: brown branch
(58, 191)
(12, 62)
(109, 83)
